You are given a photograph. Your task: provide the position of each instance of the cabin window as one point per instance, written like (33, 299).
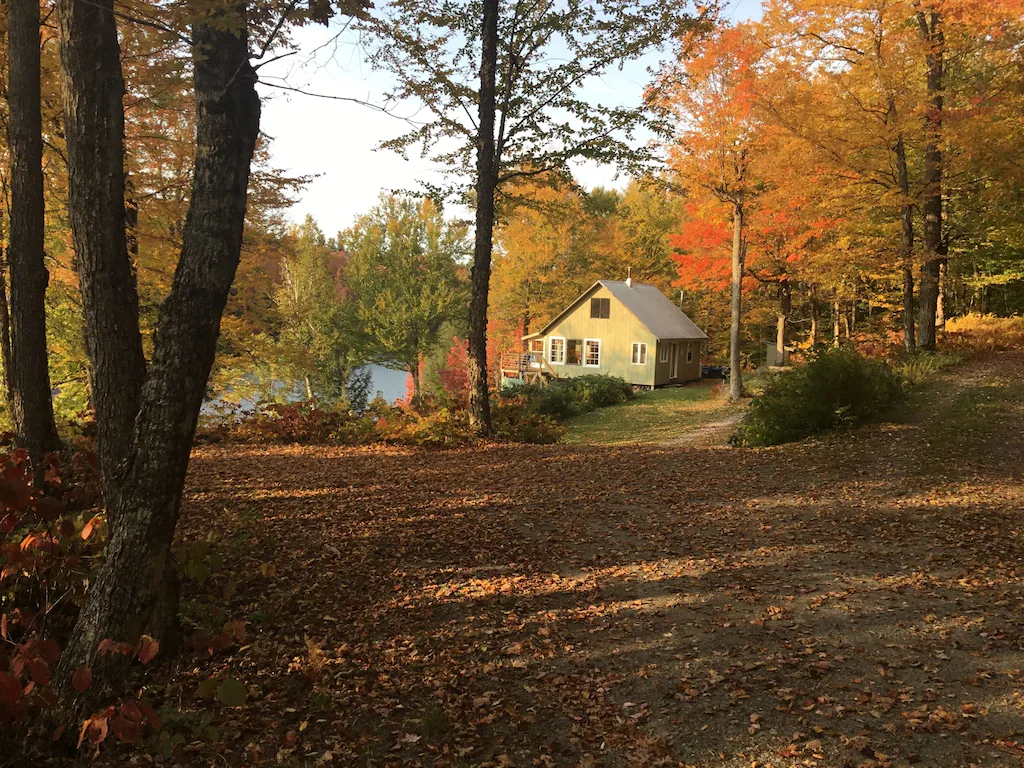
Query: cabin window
(663, 353)
(556, 352)
(537, 345)
(639, 353)
(574, 352)
(689, 352)
(601, 308)
(592, 352)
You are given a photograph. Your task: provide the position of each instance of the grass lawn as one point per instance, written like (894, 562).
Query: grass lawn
(654, 417)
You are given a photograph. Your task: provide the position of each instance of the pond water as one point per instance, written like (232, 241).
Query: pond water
(391, 385)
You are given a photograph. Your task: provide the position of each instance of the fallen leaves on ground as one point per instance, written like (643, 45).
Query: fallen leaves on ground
(852, 601)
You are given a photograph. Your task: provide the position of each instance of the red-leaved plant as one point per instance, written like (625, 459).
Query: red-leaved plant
(51, 539)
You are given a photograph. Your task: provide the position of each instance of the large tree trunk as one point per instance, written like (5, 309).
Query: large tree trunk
(931, 29)
(29, 373)
(735, 373)
(785, 305)
(486, 181)
(906, 244)
(94, 126)
(135, 591)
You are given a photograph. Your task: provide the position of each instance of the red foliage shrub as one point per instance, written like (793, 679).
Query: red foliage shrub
(51, 538)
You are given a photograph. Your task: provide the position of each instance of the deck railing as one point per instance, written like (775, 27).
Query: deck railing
(525, 366)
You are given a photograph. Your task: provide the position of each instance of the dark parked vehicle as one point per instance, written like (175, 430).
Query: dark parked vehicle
(714, 371)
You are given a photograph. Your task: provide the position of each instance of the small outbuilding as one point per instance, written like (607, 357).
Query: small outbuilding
(618, 328)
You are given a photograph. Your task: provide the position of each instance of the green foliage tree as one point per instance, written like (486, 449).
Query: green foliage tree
(503, 83)
(402, 272)
(320, 342)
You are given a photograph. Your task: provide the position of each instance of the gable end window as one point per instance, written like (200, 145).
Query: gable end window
(600, 308)
(689, 352)
(592, 352)
(556, 352)
(639, 353)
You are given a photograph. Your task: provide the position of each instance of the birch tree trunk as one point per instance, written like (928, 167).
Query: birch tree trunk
(815, 319)
(735, 372)
(785, 306)
(836, 314)
(940, 307)
(135, 591)
(486, 182)
(29, 373)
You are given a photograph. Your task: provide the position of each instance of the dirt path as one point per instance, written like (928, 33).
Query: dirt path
(852, 601)
(715, 433)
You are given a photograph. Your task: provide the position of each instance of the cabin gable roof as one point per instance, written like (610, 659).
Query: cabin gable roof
(646, 303)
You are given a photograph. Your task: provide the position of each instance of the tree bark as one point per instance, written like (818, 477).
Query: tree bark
(906, 243)
(29, 373)
(5, 331)
(414, 373)
(735, 372)
(94, 126)
(931, 30)
(486, 182)
(135, 591)
(815, 319)
(526, 329)
(785, 306)
(940, 307)
(836, 314)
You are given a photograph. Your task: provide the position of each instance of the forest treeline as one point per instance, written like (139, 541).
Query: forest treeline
(871, 150)
(819, 118)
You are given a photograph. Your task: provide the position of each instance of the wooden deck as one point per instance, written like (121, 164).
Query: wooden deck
(526, 367)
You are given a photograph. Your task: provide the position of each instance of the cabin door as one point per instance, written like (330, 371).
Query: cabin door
(673, 361)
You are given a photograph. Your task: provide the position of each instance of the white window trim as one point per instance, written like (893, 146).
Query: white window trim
(547, 356)
(662, 352)
(585, 363)
(641, 348)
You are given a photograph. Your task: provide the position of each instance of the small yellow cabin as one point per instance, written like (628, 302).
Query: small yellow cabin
(617, 328)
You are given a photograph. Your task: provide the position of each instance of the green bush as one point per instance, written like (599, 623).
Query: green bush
(514, 419)
(837, 388)
(921, 366)
(301, 422)
(564, 398)
(442, 428)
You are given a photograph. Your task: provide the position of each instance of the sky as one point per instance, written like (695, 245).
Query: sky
(336, 141)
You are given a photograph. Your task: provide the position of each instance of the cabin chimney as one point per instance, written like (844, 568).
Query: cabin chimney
(629, 277)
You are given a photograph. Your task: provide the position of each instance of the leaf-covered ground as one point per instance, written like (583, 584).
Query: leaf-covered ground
(852, 601)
